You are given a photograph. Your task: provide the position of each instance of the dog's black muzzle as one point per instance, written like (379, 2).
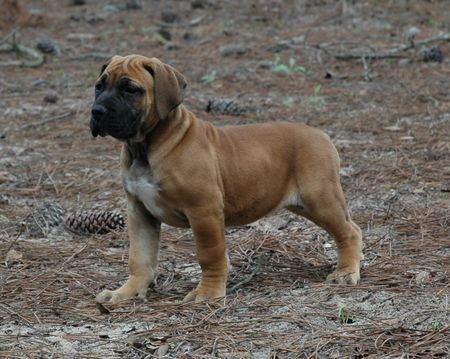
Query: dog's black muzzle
(97, 114)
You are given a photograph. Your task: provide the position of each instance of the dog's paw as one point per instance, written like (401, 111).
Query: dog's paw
(199, 296)
(190, 297)
(344, 276)
(116, 296)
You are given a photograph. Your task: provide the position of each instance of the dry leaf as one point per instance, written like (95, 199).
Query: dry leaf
(162, 350)
(423, 277)
(102, 309)
(4, 177)
(13, 256)
(392, 128)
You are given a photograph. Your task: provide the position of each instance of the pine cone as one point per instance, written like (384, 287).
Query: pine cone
(433, 54)
(227, 107)
(94, 222)
(45, 217)
(47, 46)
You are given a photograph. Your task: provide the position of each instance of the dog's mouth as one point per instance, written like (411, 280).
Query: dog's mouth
(122, 126)
(96, 132)
(121, 133)
(95, 129)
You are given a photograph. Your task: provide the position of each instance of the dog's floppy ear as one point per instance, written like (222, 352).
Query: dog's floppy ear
(169, 86)
(105, 65)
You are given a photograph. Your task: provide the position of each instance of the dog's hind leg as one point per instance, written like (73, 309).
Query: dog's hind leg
(323, 203)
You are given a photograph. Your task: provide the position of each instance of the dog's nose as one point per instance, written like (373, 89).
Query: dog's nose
(98, 111)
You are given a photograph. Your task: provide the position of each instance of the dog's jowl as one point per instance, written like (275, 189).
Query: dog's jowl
(185, 172)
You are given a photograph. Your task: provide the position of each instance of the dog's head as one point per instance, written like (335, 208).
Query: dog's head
(132, 94)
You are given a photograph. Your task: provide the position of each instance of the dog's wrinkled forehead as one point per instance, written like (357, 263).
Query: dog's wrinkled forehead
(160, 81)
(132, 67)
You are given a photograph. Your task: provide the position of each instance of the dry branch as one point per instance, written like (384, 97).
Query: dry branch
(194, 22)
(248, 278)
(36, 58)
(393, 52)
(47, 120)
(93, 55)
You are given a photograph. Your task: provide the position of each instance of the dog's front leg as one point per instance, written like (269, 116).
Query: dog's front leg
(143, 230)
(209, 233)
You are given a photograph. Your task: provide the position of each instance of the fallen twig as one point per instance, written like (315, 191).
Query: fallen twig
(248, 278)
(13, 312)
(4, 255)
(43, 122)
(92, 55)
(193, 22)
(37, 59)
(394, 52)
(6, 38)
(62, 267)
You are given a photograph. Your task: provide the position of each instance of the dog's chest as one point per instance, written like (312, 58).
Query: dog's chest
(138, 181)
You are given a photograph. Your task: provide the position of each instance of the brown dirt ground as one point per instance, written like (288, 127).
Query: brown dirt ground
(390, 123)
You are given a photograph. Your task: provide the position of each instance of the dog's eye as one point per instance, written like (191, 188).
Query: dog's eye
(98, 87)
(132, 90)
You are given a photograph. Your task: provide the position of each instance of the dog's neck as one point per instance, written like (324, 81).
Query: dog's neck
(138, 147)
(164, 136)
(138, 151)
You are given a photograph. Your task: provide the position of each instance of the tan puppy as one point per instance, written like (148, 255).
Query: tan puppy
(185, 172)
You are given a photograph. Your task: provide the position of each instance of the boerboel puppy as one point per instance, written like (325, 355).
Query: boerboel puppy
(185, 172)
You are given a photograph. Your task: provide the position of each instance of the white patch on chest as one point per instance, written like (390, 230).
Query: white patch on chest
(138, 182)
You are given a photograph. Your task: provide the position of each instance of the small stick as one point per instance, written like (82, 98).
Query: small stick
(11, 34)
(193, 22)
(13, 242)
(10, 311)
(61, 268)
(51, 119)
(394, 52)
(248, 278)
(92, 55)
(214, 348)
(49, 176)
